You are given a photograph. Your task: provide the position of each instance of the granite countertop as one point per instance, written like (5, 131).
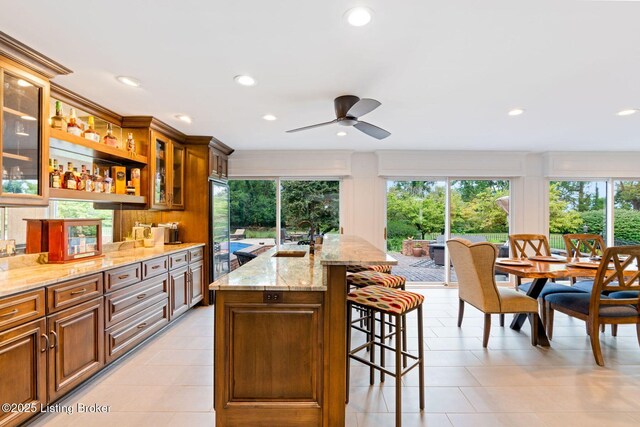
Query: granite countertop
(269, 273)
(36, 276)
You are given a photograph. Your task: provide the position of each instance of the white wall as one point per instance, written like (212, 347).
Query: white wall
(364, 176)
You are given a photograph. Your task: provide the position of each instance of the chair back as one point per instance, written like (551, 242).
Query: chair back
(580, 245)
(475, 264)
(526, 245)
(611, 277)
(244, 257)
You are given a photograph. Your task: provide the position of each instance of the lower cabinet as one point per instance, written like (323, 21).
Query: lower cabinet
(23, 370)
(179, 290)
(76, 346)
(196, 277)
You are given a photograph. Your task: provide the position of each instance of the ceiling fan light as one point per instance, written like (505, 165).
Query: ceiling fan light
(341, 133)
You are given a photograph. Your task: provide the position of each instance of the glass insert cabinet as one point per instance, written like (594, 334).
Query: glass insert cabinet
(167, 173)
(24, 128)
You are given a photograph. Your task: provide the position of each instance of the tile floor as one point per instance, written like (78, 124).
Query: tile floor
(168, 381)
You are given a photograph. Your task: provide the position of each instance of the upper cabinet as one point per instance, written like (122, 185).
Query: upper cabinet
(218, 159)
(24, 123)
(167, 172)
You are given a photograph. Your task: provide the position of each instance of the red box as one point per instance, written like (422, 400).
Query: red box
(66, 240)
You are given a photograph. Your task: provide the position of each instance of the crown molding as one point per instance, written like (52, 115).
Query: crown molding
(79, 101)
(30, 58)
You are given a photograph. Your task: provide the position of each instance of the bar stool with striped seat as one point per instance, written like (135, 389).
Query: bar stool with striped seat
(397, 303)
(378, 268)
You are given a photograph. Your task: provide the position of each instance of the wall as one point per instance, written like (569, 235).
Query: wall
(364, 177)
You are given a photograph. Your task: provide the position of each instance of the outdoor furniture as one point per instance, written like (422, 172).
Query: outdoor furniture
(239, 234)
(436, 247)
(598, 309)
(244, 257)
(475, 265)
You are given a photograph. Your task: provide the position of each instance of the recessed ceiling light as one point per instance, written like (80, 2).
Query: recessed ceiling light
(183, 118)
(245, 80)
(627, 112)
(23, 83)
(28, 118)
(269, 117)
(359, 16)
(341, 133)
(515, 112)
(129, 81)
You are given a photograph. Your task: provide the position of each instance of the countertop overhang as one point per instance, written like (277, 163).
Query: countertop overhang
(269, 273)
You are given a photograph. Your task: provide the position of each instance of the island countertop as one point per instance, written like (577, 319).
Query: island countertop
(36, 276)
(270, 273)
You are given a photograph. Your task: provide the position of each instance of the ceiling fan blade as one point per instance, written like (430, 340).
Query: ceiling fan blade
(312, 126)
(362, 107)
(371, 130)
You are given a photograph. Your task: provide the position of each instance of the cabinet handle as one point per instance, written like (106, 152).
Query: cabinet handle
(81, 291)
(55, 342)
(155, 267)
(46, 343)
(141, 296)
(11, 313)
(142, 325)
(124, 276)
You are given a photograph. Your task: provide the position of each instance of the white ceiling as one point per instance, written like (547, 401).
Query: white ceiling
(446, 72)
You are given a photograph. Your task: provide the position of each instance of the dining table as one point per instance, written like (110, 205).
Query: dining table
(541, 269)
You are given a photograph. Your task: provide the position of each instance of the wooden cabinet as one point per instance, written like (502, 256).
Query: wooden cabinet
(218, 164)
(155, 267)
(122, 277)
(18, 309)
(23, 370)
(179, 290)
(269, 366)
(196, 282)
(72, 292)
(167, 173)
(178, 260)
(76, 346)
(24, 120)
(126, 302)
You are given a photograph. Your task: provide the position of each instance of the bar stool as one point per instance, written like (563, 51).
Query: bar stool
(397, 303)
(378, 268)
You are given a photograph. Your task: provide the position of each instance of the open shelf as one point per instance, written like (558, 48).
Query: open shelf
(62, 140)
(62, 194)
(17, 157)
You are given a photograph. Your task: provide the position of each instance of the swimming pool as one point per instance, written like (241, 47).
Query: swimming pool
(235, 246)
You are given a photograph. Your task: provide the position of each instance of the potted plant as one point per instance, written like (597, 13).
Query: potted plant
(417, 250)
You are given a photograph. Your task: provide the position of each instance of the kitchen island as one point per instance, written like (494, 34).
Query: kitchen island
(280, 335)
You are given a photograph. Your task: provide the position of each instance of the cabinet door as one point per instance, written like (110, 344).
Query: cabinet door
(23, 369)
(176, 198)
(160, 173)
(24, 124)
(196, 279)
(179, 292)
(76, 346)
(213, 163)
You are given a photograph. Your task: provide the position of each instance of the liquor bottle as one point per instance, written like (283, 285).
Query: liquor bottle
(70, 181)
(56, 177)
(51, 172)
(98, 183)
(131, 143)
(86, 181)
(72, 127)
(90, 132)
(108, 187)
(110, 139)
(76, 176)
(58, 121)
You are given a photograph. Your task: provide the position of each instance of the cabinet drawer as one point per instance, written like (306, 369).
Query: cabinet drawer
(178, 260)
(124, 336)
(119, 278)
(18, 309)
(196, 254)
(155, 267)
(72, 292)
(124, 303)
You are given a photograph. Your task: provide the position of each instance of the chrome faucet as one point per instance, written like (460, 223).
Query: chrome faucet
(312, 237)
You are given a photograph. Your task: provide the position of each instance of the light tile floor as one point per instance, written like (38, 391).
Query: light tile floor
(169, 381)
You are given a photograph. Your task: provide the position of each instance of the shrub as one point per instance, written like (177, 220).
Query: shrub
(401, 229)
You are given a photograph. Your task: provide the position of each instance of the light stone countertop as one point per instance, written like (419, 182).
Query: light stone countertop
(31, 277)
(269, 273)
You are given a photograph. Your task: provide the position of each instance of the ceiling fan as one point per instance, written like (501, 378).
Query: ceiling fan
(349, 109)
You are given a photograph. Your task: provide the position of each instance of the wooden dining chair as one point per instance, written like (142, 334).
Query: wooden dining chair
(584, 245)
(597, 308)
(474, 264)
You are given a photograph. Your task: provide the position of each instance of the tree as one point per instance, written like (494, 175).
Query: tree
(628, 195)
(252, 203)
(313, 201)
(562, 217)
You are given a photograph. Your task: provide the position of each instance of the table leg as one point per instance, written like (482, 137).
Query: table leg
(518, 320)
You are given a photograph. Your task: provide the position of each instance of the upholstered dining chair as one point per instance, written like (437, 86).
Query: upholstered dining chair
(475, 268)
(620, 306)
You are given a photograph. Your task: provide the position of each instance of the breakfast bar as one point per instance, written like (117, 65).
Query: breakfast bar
(280, 340)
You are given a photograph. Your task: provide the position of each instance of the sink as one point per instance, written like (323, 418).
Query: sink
(290, 254)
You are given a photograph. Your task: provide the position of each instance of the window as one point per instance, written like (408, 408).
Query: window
(626, 214)
(253, 208)
(305, 203)
(576, 207)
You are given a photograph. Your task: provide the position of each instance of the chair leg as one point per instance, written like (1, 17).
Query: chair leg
(404, 340)
(372, 347)
(602, 328)
(542, 308)
(638, 332)
(398, 372)
(421, 356)
(487, 329)
(533, 319)
(460, 312)
(502, 320)
(549, 324)
(383, 340)
(614, 329)
(595, 342)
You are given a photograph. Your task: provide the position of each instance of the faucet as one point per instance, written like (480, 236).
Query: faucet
(312, 238)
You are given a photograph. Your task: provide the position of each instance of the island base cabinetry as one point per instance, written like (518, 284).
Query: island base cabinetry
(272, 356)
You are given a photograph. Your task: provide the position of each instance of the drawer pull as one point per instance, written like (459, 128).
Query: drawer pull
(142, 325)
(155, 267)
(11, 313)
(141, 296)
(81, 291)
(46, 343)
(124, 276)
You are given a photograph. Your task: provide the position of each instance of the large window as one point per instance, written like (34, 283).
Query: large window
(253, 209)
(626, 225)
(576, 207)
